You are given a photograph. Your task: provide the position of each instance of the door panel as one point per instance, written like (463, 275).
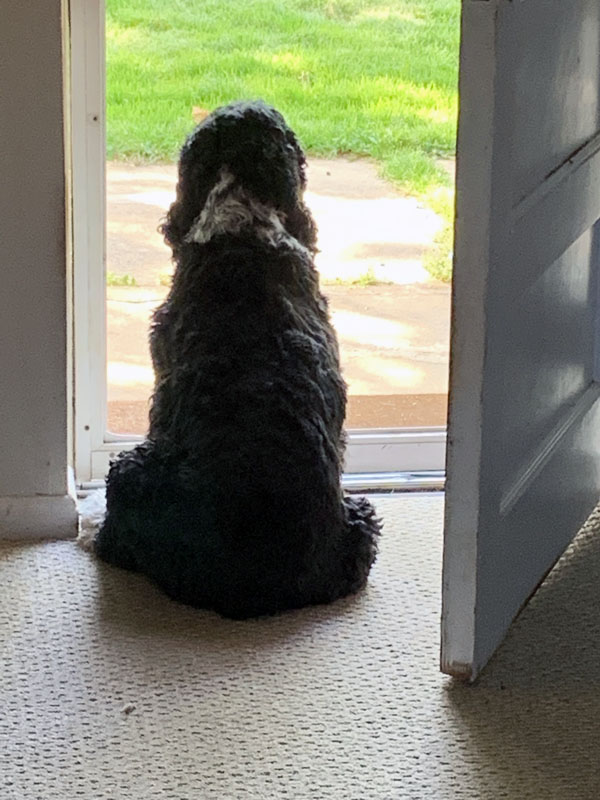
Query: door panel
(557, 99)
(524, 426)
(550, 338)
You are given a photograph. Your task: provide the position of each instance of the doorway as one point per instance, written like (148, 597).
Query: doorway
(383, 214)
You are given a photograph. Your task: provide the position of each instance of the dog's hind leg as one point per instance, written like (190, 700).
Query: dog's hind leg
(130, 488)
(360, 542)
(342, 567)
(112, 546)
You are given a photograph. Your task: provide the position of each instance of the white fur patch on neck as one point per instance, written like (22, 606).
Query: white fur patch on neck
(229, 208)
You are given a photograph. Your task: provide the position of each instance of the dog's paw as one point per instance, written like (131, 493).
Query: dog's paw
(92, 510)
(86, 539)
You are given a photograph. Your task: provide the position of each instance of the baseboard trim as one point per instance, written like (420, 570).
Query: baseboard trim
(38, 517)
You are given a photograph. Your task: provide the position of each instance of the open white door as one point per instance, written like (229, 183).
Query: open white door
(524, 430)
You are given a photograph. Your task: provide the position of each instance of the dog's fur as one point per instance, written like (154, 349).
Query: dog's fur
(233, 502)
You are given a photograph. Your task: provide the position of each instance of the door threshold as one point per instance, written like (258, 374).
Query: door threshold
(432, 480)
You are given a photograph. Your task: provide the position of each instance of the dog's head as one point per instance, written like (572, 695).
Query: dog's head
(241, 161)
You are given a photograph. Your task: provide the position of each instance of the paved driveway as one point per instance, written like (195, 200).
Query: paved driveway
(393, 335)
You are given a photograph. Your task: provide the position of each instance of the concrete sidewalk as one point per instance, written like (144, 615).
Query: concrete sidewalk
(393, 335)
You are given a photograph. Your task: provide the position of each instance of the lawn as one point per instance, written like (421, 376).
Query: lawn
(364, 77)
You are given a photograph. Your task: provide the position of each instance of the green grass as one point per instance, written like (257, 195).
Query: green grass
(362, 77)
(438, 261)
(368, 278)
(113, 279)
(351, 76)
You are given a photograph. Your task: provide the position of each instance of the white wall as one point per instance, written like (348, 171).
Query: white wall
(33, 275)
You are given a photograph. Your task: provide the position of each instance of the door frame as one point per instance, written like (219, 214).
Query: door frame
(375, 458)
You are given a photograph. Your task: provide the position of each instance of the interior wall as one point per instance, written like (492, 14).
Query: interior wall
(33, 272)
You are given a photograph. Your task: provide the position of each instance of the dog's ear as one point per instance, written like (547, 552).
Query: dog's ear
(197, 173)
(300, 224)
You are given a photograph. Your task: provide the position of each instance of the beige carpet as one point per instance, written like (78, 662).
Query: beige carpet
(109, 691)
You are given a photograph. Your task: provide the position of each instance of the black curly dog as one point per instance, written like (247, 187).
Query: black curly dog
(233, 502)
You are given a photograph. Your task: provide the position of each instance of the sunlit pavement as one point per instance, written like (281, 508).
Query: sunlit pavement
(393, 334)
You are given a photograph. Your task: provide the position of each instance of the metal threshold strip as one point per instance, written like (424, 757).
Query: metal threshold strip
(431, 480)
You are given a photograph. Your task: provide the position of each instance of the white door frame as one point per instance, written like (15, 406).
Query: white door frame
(412, 458)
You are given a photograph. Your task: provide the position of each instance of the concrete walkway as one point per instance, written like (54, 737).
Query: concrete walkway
(393, 335)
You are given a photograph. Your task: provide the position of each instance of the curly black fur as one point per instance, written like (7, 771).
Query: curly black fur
(234, 502)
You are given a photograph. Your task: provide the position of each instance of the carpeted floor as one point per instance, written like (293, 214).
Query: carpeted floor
(109, 691)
